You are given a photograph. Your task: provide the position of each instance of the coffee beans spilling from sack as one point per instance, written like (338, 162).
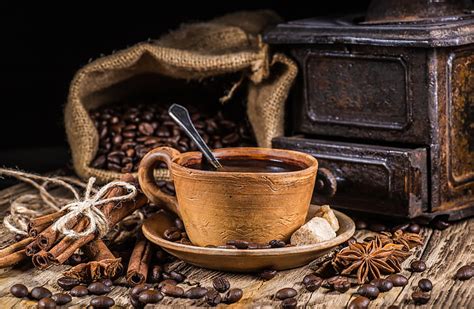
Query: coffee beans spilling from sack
(128, 132)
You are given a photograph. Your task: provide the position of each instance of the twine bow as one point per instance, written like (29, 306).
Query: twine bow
(88, 208)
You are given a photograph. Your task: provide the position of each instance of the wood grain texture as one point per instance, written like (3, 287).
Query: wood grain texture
(444, 252)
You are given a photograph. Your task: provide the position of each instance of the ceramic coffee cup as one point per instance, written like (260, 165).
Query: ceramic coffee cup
(220, 206)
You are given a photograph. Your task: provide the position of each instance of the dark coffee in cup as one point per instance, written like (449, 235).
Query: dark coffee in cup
(246, 165)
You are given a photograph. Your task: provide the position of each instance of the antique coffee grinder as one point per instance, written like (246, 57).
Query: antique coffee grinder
(385, 102)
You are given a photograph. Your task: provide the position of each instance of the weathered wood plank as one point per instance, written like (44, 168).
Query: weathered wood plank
(444, 252)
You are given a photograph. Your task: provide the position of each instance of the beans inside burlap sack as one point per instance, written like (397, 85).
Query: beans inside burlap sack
(226, 45)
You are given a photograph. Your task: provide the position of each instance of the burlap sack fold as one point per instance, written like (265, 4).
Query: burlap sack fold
(225, 45)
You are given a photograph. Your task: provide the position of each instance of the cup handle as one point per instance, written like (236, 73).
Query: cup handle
(147, 180)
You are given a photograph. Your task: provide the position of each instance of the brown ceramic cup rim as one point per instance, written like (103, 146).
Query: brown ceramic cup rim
(180, 162)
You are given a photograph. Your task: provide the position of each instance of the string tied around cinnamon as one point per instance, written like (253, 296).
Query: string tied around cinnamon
(88, 208)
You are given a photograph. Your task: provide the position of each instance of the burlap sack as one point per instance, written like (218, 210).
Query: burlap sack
(225, 45)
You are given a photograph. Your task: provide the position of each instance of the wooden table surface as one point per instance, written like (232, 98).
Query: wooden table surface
(444, 252)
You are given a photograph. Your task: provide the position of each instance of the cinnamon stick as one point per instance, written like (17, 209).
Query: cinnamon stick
(32, 248)
(13, 258)
(103, 264)
(17, 246)
(139, 262)
(44, 221)
(40, 260)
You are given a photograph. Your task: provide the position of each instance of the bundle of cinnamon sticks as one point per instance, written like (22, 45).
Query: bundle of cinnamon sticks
(46, 246)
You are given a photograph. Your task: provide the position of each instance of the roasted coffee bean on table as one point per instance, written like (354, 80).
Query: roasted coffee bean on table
(420, 297)
(102, 302)
(360, 224)
(360, 302)
(213, 298)
(377, 227)
(425, 285)
(418, 266)
(341, 286)
(172, 290)
(368, 290)
(19, 290)
(285, 293)
(233, 296)
(150, 297)
(195, 292)
(40, 292)
(289, 303)
(312, 282)
(46, 303)
(79, 291)
(398, 280)
(172, 234)
(136, 290)
(107, 282)
(413, 228)
(98, 288)
(61, 298)
(440, 224)
(466, 272)
(127, 133)
(268, 274)
(155, 274)
(174, 275)
(221, 284)
(167, 281)
(384, 285)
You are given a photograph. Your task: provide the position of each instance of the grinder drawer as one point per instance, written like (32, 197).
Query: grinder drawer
(376, 179)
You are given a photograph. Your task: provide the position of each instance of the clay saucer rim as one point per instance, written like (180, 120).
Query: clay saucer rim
(344, 220)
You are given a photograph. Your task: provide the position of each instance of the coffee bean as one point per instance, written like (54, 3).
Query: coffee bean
(195, 292)
(360, 302)
(233, 296)
(145, 128)
(402, 227)
(440, 224)
(420, 298)
(268, 274)
(61, 298)
(239, 244)
(413, 228)
(384, 285)
(361, 224)
(398, 280)
(176, 276)
(98, 288)
(40, 292)
(466, 272)
(172, 290)
(285, 293)
(312, 282)
(107, 282)
(418, 266)
(329, 282)
(289, 303)
(277, 243)
(136, 290)
(75, 259)
(368, 290)
(167, 281)
(377, 227)
(425, 285)
(179, 224)
(341, 286)
(79, 291)
(19, 290)
(172, 234)
(156, 272)
(150, 297)
(102, 302)
(19, 237)
(213, 298)
(221, 284)
(46, 303)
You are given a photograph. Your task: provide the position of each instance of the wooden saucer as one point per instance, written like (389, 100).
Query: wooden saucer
(236, 260)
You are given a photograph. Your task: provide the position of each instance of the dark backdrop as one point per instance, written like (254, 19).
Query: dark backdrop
(43, 45)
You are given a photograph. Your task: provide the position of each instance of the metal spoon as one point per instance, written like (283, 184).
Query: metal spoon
(181, 116)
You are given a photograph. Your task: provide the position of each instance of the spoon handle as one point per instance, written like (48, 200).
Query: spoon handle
(180, 114)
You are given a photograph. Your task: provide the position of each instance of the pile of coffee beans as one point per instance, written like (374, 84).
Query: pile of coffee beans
(438, 223)
(128, 132)
(287, 296)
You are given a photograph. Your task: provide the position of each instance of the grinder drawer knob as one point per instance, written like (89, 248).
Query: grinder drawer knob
(326, 182)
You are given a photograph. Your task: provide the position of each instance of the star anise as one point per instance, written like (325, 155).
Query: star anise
(368, 260)
(408, 240)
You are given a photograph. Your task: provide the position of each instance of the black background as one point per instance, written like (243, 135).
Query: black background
(43, 45)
